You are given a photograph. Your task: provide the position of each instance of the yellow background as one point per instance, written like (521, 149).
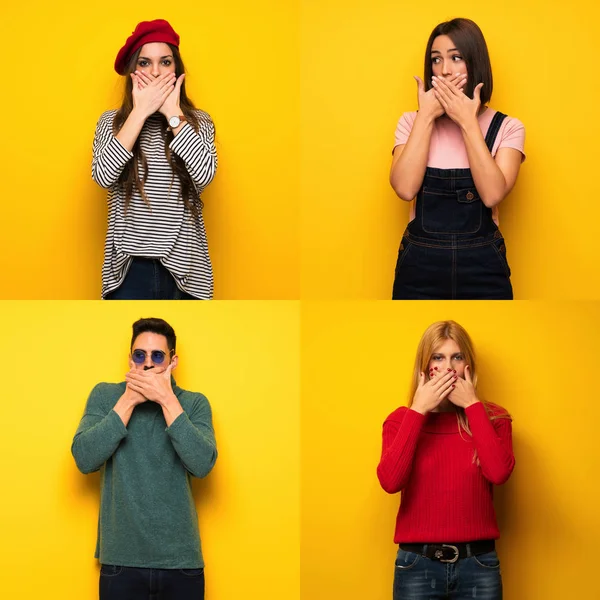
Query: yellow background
(358, 61)
(243, 356)
(242, 67)
(538, 360)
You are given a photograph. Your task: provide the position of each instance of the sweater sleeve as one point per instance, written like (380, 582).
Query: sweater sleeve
(109, 156)
(198, 151)
(193, 438)
(99, 433)
(493, 442)
(400, 436)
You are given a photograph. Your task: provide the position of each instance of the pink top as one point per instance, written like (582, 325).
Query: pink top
(447, 149)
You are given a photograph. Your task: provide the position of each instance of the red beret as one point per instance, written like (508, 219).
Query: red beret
(146, 32)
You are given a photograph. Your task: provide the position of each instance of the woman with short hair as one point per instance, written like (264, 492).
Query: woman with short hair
(458, 159)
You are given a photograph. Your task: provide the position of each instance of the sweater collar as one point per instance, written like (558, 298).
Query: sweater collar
(441, 422)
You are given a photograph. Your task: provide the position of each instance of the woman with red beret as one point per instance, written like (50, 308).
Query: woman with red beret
(155, 155)
(445, 452)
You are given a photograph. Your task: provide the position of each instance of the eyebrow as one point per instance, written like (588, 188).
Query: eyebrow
(449, 50)
(146, 58)
(146, 351)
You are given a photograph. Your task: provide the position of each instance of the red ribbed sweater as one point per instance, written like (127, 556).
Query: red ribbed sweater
(446, 497)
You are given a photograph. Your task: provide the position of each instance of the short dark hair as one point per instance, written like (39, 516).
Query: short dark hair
(469, 41)
(158, 326)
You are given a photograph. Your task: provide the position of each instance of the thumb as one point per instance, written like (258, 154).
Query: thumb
(168, 370)
(179, 82)
(421, 379)
(477, 92)
(468, 374)
(420, 84)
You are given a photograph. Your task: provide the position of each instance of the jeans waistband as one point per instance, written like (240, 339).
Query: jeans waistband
(451, 552)
(453, 241)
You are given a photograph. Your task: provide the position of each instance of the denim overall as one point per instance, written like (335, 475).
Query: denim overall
(452, 249)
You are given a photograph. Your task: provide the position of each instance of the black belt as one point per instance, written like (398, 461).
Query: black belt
(449, 553)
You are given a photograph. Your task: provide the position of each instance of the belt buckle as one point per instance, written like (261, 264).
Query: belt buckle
(452, 560)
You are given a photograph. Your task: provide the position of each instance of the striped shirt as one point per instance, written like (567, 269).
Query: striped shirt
(165, 230)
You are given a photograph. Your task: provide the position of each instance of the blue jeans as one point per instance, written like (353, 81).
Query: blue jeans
(417, 577)
(148, 279)
(133, 583)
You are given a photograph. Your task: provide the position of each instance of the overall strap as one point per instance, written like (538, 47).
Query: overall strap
(490, 138)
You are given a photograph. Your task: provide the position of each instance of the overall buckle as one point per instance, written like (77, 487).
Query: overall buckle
(439, 554)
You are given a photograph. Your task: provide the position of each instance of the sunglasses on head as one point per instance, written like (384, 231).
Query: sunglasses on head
(156, 356)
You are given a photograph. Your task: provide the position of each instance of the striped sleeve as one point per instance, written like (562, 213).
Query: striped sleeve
(198, 151)
(109, 156)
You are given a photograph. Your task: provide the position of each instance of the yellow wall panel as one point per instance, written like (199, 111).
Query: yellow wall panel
(242, 65)
(358, 61)
(243, 356)
(535, 359)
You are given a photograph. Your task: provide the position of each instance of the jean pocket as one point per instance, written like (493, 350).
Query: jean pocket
(405, 247)
(489, 560)
(500, 249)
(192, 572)
(458, 212)
(110, 570)
(406, 560)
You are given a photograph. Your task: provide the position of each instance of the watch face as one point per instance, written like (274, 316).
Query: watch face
(174, 122)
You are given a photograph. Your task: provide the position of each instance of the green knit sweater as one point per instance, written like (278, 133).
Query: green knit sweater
(147, 512)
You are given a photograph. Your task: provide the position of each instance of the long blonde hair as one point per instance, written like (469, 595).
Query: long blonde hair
(432, 339)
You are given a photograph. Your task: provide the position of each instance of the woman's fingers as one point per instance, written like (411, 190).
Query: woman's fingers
(447, 386)
(441, 99)
(446, 392)
(143, 77)
(167, 81)
(444, 378)
(166, 93)
(440, 86)
(446, 85)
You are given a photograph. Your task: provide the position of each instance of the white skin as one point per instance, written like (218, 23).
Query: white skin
(155, 89)
(448, 383)
(494, 177)
(148, 382)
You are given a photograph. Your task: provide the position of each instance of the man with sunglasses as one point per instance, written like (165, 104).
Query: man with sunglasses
(148, 437)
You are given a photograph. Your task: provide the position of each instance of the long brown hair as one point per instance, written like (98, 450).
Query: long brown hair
(130, 179)
(435, 335)
(469, 41)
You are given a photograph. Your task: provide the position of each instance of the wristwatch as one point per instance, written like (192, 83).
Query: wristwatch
(175, 121)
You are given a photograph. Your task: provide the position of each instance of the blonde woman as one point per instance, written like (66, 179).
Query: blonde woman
(445, 452)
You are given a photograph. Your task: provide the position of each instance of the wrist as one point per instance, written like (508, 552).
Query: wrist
(169, 400)
(418, 409)
(138, 114)
(470, 126)
(127, 401)
(473, 400)
(170, 111)
(426, 117)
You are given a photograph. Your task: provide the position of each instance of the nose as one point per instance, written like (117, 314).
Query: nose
(446, 68)
(155, 70)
